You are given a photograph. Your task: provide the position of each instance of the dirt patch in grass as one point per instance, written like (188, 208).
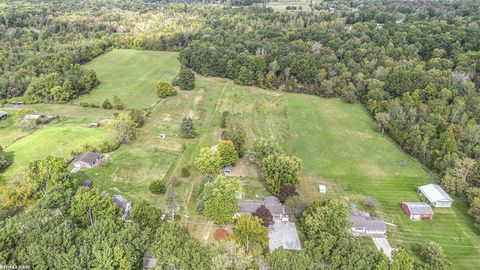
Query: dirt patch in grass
(245, 168)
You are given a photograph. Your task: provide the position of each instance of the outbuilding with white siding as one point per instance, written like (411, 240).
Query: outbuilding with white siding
(435, 195)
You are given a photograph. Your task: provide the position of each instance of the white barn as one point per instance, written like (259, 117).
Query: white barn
(435, 195)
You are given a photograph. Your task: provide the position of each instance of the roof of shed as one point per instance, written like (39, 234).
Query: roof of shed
(434, 193)
(88, 157)
(419, 208)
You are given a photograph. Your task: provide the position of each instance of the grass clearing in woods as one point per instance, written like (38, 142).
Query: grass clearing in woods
(131, 75)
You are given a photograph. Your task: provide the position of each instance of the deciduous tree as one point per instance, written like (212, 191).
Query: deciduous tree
(249, 231)
(279, 171)
(207, 161)
(226, 153)
(221, 199)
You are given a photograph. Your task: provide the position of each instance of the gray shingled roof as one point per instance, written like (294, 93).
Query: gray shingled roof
(419, 208)
(271, 203)
(361, 219)
(88, 157)
(249, 206)
(369, 223)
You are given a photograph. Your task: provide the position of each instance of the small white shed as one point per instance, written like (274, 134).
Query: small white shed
(322, 188)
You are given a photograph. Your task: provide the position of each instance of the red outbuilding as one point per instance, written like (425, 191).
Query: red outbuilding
(417, 210)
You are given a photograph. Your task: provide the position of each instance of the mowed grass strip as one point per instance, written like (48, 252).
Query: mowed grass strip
(131, 75)
(337, 141)
(58, 141)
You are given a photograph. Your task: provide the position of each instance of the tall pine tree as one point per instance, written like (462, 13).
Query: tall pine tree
(187, 130)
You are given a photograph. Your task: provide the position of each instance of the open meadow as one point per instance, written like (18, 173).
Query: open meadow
(131, 75)
(336, 141)
(340, 148)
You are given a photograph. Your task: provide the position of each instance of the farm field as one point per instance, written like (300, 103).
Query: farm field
(131, 75)
(337, 141)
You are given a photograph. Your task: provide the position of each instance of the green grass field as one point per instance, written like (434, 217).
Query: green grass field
(131, 75)
(9, 132)
(337, 141)
(57, 141)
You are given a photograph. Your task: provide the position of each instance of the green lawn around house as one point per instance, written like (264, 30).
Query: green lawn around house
(57, 141)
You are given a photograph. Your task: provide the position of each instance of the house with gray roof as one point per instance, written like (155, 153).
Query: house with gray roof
(86, 160)
(365, 225)
(435, 195)
(272, 203)
(38, 118)
(283, 234)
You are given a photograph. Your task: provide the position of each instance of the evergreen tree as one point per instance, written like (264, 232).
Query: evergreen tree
(187, 130)
(186, 79)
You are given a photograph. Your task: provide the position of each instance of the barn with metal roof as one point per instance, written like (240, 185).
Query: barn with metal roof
(435, 195)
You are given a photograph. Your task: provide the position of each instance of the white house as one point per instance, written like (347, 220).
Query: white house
(435, 195)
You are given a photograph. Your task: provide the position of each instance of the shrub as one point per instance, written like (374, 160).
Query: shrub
(286, 192)
(107, 104)
(220, 234)
(107, 147)
(223, 121)
(185, 171)
(157, 187)
(165, 90)
(138, 116)
(117, 103)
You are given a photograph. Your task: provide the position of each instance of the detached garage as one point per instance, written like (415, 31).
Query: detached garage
(417, 210)
(435, 195)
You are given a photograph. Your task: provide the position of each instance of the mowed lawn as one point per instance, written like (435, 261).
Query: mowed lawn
(131, 75)
(9, 132)
(57, 141)
(337, 142)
